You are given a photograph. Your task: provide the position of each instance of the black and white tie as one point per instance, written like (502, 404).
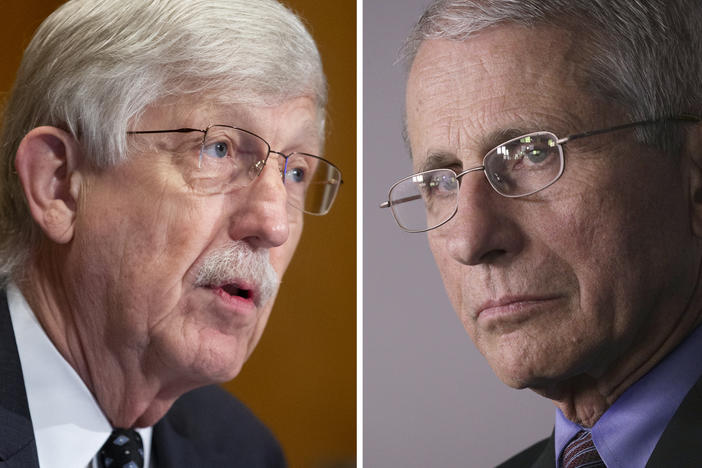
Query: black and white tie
(123, 449)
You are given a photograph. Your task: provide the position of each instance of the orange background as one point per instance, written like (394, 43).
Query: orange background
(301, 380)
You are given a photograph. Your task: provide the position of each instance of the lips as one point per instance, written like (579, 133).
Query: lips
(236, 293)
(511, 306)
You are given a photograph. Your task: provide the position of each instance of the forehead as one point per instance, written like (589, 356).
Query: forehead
(468, 96)
(295, 119)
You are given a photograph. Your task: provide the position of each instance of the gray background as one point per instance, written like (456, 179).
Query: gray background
(430, 399)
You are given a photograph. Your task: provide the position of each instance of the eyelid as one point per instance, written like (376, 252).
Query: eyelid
(504, 136)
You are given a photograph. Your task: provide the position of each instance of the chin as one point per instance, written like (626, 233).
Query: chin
(212, 372)
(516, 378)
(207, 348)
(543, 373)
(224, 374)
(205, 357)
(219, 364)
(525, 368)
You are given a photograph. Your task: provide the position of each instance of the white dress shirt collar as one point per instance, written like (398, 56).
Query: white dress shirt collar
(69, 426)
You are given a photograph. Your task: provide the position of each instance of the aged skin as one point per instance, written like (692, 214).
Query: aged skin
(580, 289)
(129, 241)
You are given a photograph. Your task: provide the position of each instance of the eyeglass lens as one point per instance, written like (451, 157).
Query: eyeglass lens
(519, 167)
(230, 158)
(311, 182)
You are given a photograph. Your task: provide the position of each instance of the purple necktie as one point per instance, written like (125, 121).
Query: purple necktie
(581, 453)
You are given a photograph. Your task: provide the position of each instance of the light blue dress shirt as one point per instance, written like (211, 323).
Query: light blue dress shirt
(629, 430)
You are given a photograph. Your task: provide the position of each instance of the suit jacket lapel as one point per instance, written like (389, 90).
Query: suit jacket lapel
(679, 446)
(17, 446)
(170, 448)
(547, 457)
(539, 455)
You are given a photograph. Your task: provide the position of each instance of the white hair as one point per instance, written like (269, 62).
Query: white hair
(93, 66)
(644, 56)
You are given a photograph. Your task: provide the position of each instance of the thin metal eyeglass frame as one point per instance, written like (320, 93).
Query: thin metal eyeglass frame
(684, 118)
(264, 160)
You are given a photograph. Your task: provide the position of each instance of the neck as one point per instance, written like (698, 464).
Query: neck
(115, 374)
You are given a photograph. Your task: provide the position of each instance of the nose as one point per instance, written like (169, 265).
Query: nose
(485, 229)
(262, 217)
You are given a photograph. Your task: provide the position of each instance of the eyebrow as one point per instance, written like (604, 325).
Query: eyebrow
(439, 160)
(240, 116)
(499, 136)
(445, 158)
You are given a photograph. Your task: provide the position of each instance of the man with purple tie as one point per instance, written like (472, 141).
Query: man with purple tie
(557, 153)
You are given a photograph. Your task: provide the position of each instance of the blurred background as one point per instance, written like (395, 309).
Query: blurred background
(301, 380)
(430, 399)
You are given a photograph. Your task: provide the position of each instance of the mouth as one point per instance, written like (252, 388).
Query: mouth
(512, 307)
(236, 293)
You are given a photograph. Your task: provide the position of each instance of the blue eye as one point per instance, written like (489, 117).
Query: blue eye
(440, 184)
(217, 150)
(296, 174)
(537, 155)
(448, 183)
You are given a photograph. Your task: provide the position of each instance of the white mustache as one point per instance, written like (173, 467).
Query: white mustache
(238, 262)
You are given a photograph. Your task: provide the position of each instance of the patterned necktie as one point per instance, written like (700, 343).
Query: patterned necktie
(123, 449)
(581, 452)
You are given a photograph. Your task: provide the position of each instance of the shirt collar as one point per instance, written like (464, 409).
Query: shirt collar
(69, 426)
(629, 430)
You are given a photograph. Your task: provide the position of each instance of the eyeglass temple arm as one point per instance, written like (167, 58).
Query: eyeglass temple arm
(677, 118)
(387, 204)
(178, 130)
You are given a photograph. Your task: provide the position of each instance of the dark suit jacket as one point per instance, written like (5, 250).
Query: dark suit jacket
(678, 447)
(205, 428)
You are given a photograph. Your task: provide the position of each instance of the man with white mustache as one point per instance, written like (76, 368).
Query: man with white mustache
(157, 161)
(236, 263)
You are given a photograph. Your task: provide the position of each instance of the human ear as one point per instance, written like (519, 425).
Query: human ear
(46, 163)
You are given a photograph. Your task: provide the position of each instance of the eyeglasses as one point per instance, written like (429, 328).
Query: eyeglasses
(229, 158)
(519, 167)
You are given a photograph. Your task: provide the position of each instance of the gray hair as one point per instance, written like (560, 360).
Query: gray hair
(93, 67)
(644, 55)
